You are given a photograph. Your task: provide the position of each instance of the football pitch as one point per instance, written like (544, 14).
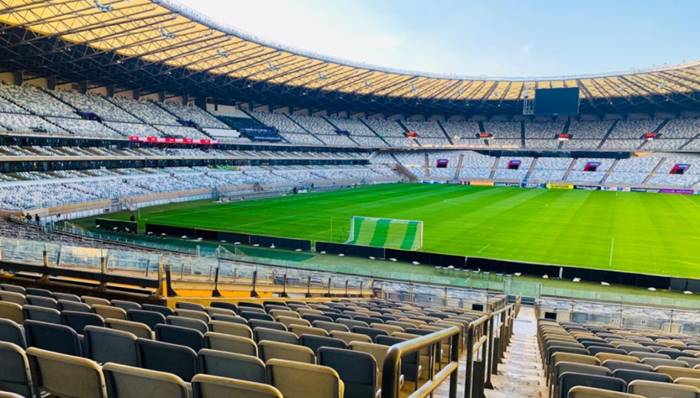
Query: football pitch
(625, 231)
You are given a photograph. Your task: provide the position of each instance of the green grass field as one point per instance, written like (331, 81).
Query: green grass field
(635, 232)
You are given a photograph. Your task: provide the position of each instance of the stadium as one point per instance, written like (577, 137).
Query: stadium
(188, 210)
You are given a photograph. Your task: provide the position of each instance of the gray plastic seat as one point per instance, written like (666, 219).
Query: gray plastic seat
(53, 337)
(110, 345)
(629, 375)
(42, 314)
(357, 370)
(15, 375)
(41, 301)
(207, 386)
(35, 291)
(66, 375)
(150, 318)
(261, 334)
(568, 380)
(126, 305)
(235, 366)
(167, 357)
(79, 320)
(191, 323)
(317, 342)
(8, 287)
(180, 335)
(12, 332)
(190, 306)
(128, 382)
(331, 326)
(259, 323)
(166, 311)
(229, 343)
(69, 305)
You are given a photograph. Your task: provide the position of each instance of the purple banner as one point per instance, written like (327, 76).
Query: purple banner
(677, 191)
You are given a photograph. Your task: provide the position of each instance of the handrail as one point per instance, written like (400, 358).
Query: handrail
(392, 364)
(474, 330)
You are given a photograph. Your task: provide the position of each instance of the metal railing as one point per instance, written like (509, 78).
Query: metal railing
(392, 364)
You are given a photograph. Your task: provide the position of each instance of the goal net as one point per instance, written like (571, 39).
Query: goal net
(386, 232)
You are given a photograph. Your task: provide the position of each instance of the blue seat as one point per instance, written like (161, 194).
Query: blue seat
(312, 317)
(38, 292)
(630, 375)
(180, 335)
(228, 306)
(166, 311)
(231, 365)
(371, 332)
(248, 315)
(68, 305)
(247, 304)
(569, 380)
(317, 342)
(410, 365)
(52, 337)
(228, 318)
(79, 320)
(110, 345)
(190, 306)
(369, 319)
(188, 323)
(358, 370)
(12, 332)
(67, 297)
(149, 318)
(260, 334)
(350, 323)
(42, 314)
(14, 373)
(126, 305)
(41, 301)
(8, 287)
(167, 357)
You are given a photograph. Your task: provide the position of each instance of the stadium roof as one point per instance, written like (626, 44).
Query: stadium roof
(159, 45)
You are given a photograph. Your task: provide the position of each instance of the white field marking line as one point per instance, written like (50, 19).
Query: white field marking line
(483, 248)
(691, 202)
(612, 250)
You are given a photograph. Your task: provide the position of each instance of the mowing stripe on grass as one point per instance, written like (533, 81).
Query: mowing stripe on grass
(409, 235)
(381, 231)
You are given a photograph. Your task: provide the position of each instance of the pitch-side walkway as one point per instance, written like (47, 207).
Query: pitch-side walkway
(521, 374)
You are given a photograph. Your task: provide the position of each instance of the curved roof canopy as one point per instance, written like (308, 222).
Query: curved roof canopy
(160, 32)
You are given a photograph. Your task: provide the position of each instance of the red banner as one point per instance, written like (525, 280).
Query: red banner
(171, 140)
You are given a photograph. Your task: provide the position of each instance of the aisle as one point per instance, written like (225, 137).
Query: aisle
(520, 375)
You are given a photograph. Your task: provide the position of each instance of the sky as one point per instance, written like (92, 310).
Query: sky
(494, 38)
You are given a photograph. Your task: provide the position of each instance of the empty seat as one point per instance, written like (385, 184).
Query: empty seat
(233, 329)
(643, 355)
(35, 291)
(331, 326)
(249, 304)
(110, 345)
(140, 330)
(289, 322)
(277, 313)
(614, 365)
(259, 323)
(8, 287)
(186, 322)
(316, 342)
(655, 389)
(654, 362)
(127, 382)
(357, 370)
(150, 318)
(15, 376)
(53, 337)
(68, 305)
(206, 386)
(235, 366)
(79, 320)
(90, 300)
(677, 372)
(688, 381)
(290, 352)
(13, 297)
(190, 306)
(568, 380)
(222, 304)
(167, 357)
(248, 315)
(314, 317)
(42, 314)
(590, 392)
(12, 332)
(319, 381)
(231, 319)
(410, 364)
(66, 375)
(166, 311)
(378, 352)
(629, 375)
(261, 334)
(67, 297)
(41, 301)
(12, 311)
(107, 311)
(220, 311)
(299, 330)
(349, 337)
(194, 314)
(229, 343)
(126, 305)
(180, 335)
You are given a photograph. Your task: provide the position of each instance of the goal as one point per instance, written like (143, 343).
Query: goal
(386, 232)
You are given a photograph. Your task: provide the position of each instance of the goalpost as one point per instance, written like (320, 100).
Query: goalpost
(386, 232)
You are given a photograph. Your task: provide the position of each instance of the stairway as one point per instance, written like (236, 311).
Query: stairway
(494, 167)
(533, 164)
(521, 373)
(610, 171)
(459, 166)
(569, 169)
(654, 170)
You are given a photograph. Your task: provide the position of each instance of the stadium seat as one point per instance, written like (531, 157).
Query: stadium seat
(331, 326)
(299, 330)
(52, 337)
(42, 314)
(127, 382)
(206, 386)
(350, 323)
(193, 314)
(629, 375)
(13, 297)
(357, 370)
(90, 300)
(188, 337)
(349, 337)
(109, 312)
(8, 287)
(34, 291)
(166, 311)
(234, 329)
(12, 332)
(234, 366)
(225, 305)
(261, 334)
(69, 305)
(315, 342)
(655, 389)
(654, 362)
(53, 372)
(149, 318)
(186, 322)
(79, 320)
(258, 323)
(290, 352)
(568, 380)
(678, 372)
(230, 343)
(590, 392)
(320, 381)
(248, 315)
(614, 365)
(288, 322)
(166, 357)
(232, 319)
(66, 297)
(189, 306)
(15, 375)
(138, 329)
(126, 305)
(104, 345)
